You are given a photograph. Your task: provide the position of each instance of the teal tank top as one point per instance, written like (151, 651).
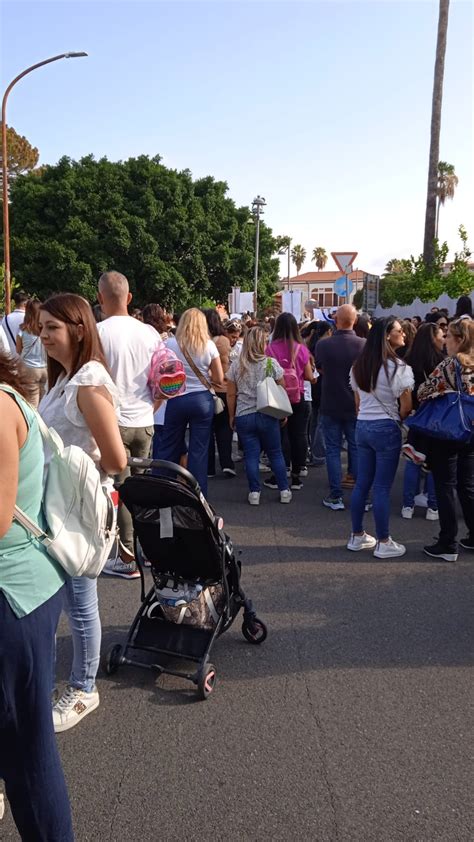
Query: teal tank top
(28, 575)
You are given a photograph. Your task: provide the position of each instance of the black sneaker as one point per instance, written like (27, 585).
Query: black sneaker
(296, 483)
(438, 551)
(467, 543)
(271, 482)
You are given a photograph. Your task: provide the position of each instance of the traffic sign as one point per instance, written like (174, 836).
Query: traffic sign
(343, 286)
(344, 260)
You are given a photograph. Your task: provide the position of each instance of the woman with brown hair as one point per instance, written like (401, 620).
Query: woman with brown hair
(31, 351)
(31, 591)
(80, 405)
(452, 463)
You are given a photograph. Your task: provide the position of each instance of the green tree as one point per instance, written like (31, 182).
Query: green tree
(431, 199)
(177, 240)
(298, 256)
(21, 155)
(320, 257)
(447, 183)
(358, 299)
(416, 279)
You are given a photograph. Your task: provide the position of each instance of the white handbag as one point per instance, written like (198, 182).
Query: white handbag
(272, 399)
(79, 512)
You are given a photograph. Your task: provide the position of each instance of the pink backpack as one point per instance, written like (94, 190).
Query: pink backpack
(290, 376)
(167, 378)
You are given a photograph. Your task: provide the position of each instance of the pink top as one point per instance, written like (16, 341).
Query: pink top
(281, 351)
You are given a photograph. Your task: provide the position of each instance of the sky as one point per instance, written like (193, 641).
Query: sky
(323, 108)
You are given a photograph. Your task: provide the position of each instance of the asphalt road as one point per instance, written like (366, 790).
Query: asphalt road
(353, 721)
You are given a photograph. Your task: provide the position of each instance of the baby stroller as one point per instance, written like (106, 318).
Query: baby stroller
(196, 593)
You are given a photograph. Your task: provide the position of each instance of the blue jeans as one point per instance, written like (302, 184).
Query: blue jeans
(378, 448)
(316, 438)
(29, 759)
(196, 410)
(261, 432)
(333, 430)
(82, 607)
(411, 486)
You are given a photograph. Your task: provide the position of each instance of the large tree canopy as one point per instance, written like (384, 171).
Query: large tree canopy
(177, 240)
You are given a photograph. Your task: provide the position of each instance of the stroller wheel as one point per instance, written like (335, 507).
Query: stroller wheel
(112, 659)
(207, 678)
(255, 631)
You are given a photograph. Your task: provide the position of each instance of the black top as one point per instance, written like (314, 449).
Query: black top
(335, 357)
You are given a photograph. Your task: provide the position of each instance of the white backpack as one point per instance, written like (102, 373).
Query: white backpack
(81, 517)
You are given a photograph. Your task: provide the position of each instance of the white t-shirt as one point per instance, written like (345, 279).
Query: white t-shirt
(201, 361)
(387, 392)
(59, 409)
(128, 347)
(4, 344)
(12, 323)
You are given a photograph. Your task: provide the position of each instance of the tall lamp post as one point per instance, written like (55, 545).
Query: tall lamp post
(257, 209)
(6, 219)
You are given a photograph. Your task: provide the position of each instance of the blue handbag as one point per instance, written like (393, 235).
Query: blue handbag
(449, 416)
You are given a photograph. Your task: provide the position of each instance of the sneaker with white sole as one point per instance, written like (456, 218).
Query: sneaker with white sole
(389, 549)
(229, 472)
(123, 569)
(416, 456)
(438, 551)
(304, 472)
(264, 469)
(271, 482)
(285, 496)
(432, 514)
(334, 503)
(73, 706)
(407, 512)
(254, 498)
(361, 542)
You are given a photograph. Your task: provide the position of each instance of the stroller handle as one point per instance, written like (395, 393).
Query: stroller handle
(136, 462)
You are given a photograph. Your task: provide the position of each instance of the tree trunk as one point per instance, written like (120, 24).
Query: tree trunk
(430, 217)
(438, 205)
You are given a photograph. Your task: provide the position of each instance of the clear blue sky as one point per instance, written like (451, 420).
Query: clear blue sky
(321, 107)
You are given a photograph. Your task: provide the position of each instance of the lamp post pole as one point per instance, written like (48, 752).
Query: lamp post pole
(6, 218)
(257, 208)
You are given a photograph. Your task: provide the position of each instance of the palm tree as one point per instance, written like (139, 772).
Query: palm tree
(298, 256)
(447, 183)
(320, 257)
(431, 198)
(397, 266)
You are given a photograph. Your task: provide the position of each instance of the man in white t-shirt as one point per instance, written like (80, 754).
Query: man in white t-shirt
(128, 346)
(11, 323)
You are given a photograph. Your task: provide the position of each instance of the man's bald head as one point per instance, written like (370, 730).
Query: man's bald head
(346, 317)
(114, 293)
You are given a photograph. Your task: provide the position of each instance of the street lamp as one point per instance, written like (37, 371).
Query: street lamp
(257, 209)
(6, 220)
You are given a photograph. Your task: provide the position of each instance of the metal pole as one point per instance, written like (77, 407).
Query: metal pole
(257, 246)
(6, 218)
(289, 250)
(347, 287)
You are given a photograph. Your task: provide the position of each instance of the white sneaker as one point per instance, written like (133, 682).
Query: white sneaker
(304, 472)
(237, 458)
(125, 569)
(73, 706)
(361, 542)
(264, 469)
(285, 496)
(407, 512)
(389, 549)
(432, 514)
(254, 498)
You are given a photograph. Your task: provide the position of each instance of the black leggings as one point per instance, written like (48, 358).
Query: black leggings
(294, 437)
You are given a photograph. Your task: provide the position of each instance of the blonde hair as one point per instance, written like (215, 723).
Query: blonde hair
(253, 348)
(463, 329)
(192, 333)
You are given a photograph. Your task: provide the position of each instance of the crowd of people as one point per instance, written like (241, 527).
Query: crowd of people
(351, 382)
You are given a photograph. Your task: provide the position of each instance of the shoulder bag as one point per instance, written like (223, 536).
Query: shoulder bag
(219, 404)
(449, 416)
